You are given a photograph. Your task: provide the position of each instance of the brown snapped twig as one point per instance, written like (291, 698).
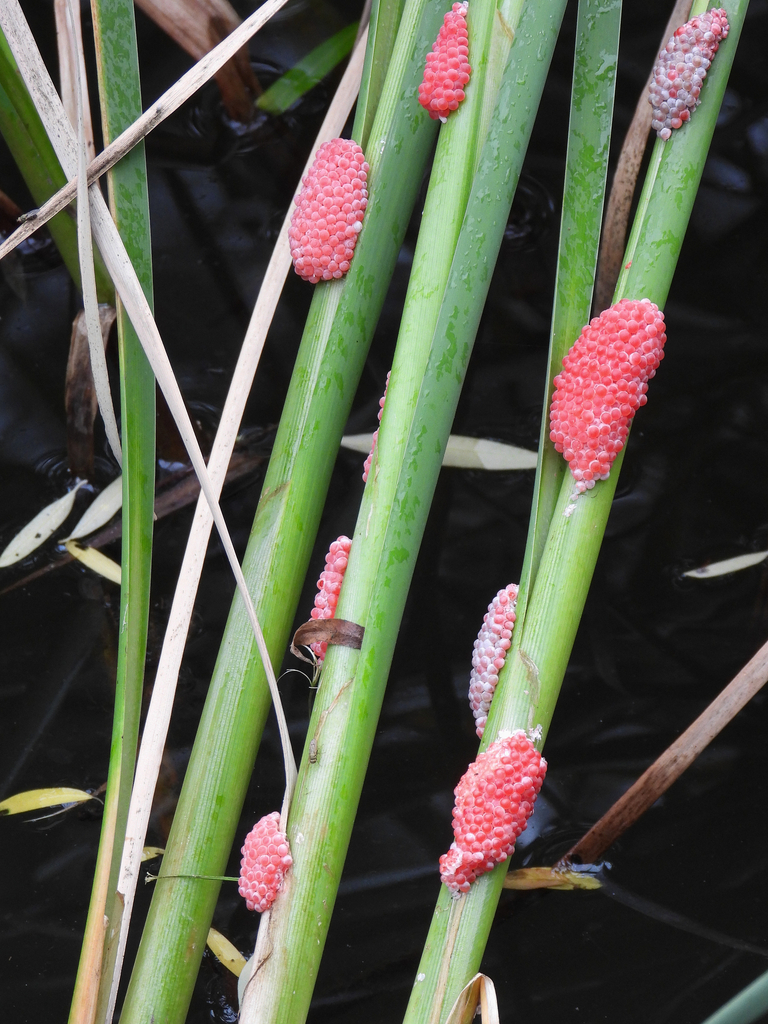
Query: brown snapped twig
(673, 762)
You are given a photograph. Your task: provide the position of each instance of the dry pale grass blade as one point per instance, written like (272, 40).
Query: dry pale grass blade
(477, 994)
(199, 25)
(96, 561)
(34, 799)
(705, 572)
(84, 242)
(170, 101)
(625, 179)
(38, 530)
(80, 400)
(100, 511)
(161, 705)
(121, 270)
(673, 762)
(67, 47)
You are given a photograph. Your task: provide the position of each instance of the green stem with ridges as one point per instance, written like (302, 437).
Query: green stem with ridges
(382, 33)
(530, 681)
(341, 322)
(426, 381)
(120, 96)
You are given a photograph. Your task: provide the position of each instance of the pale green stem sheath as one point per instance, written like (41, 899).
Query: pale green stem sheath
(530, 681)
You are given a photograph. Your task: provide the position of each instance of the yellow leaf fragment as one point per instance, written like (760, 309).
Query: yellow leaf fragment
(150, 852)
(34, 799)
(98, 514)
(727, 565)
(38, 530)
(550, 878)
(224, 951)
(95, 560)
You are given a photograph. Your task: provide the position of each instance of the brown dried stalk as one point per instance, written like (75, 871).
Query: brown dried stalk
(673, 762)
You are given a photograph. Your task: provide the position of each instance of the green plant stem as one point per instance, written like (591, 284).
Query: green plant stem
(34, 155)
(749, 1005)
(434, 344)
(382, 32)
(589, 134)
(530, 681)
(121, 104)
(335, 343)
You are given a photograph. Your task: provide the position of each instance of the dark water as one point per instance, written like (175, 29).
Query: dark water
(652, 651)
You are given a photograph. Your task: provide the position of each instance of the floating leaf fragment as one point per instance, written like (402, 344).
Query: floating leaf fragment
(39, 529)
(95, 560)
(727, 565)
(465, 452)
(34, 799)
(550, 878)
(100, 511)
(225, 952)
(150, 852)
(478, 453)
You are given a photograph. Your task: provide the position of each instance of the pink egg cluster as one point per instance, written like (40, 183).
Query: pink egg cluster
(329, 587)
(447, 70)
(681, 69)
(266, 858)
(493, 642)
(329, 212)
(603, 384)
(494, 801)
(369, 460)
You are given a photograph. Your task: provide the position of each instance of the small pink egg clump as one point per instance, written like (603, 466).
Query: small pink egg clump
(329, 212)
(681, 69)
(266, 858)
(603, 384)
(494, 801)
(329, 587)
(369, 460)
(493, 642)
(447, 70)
